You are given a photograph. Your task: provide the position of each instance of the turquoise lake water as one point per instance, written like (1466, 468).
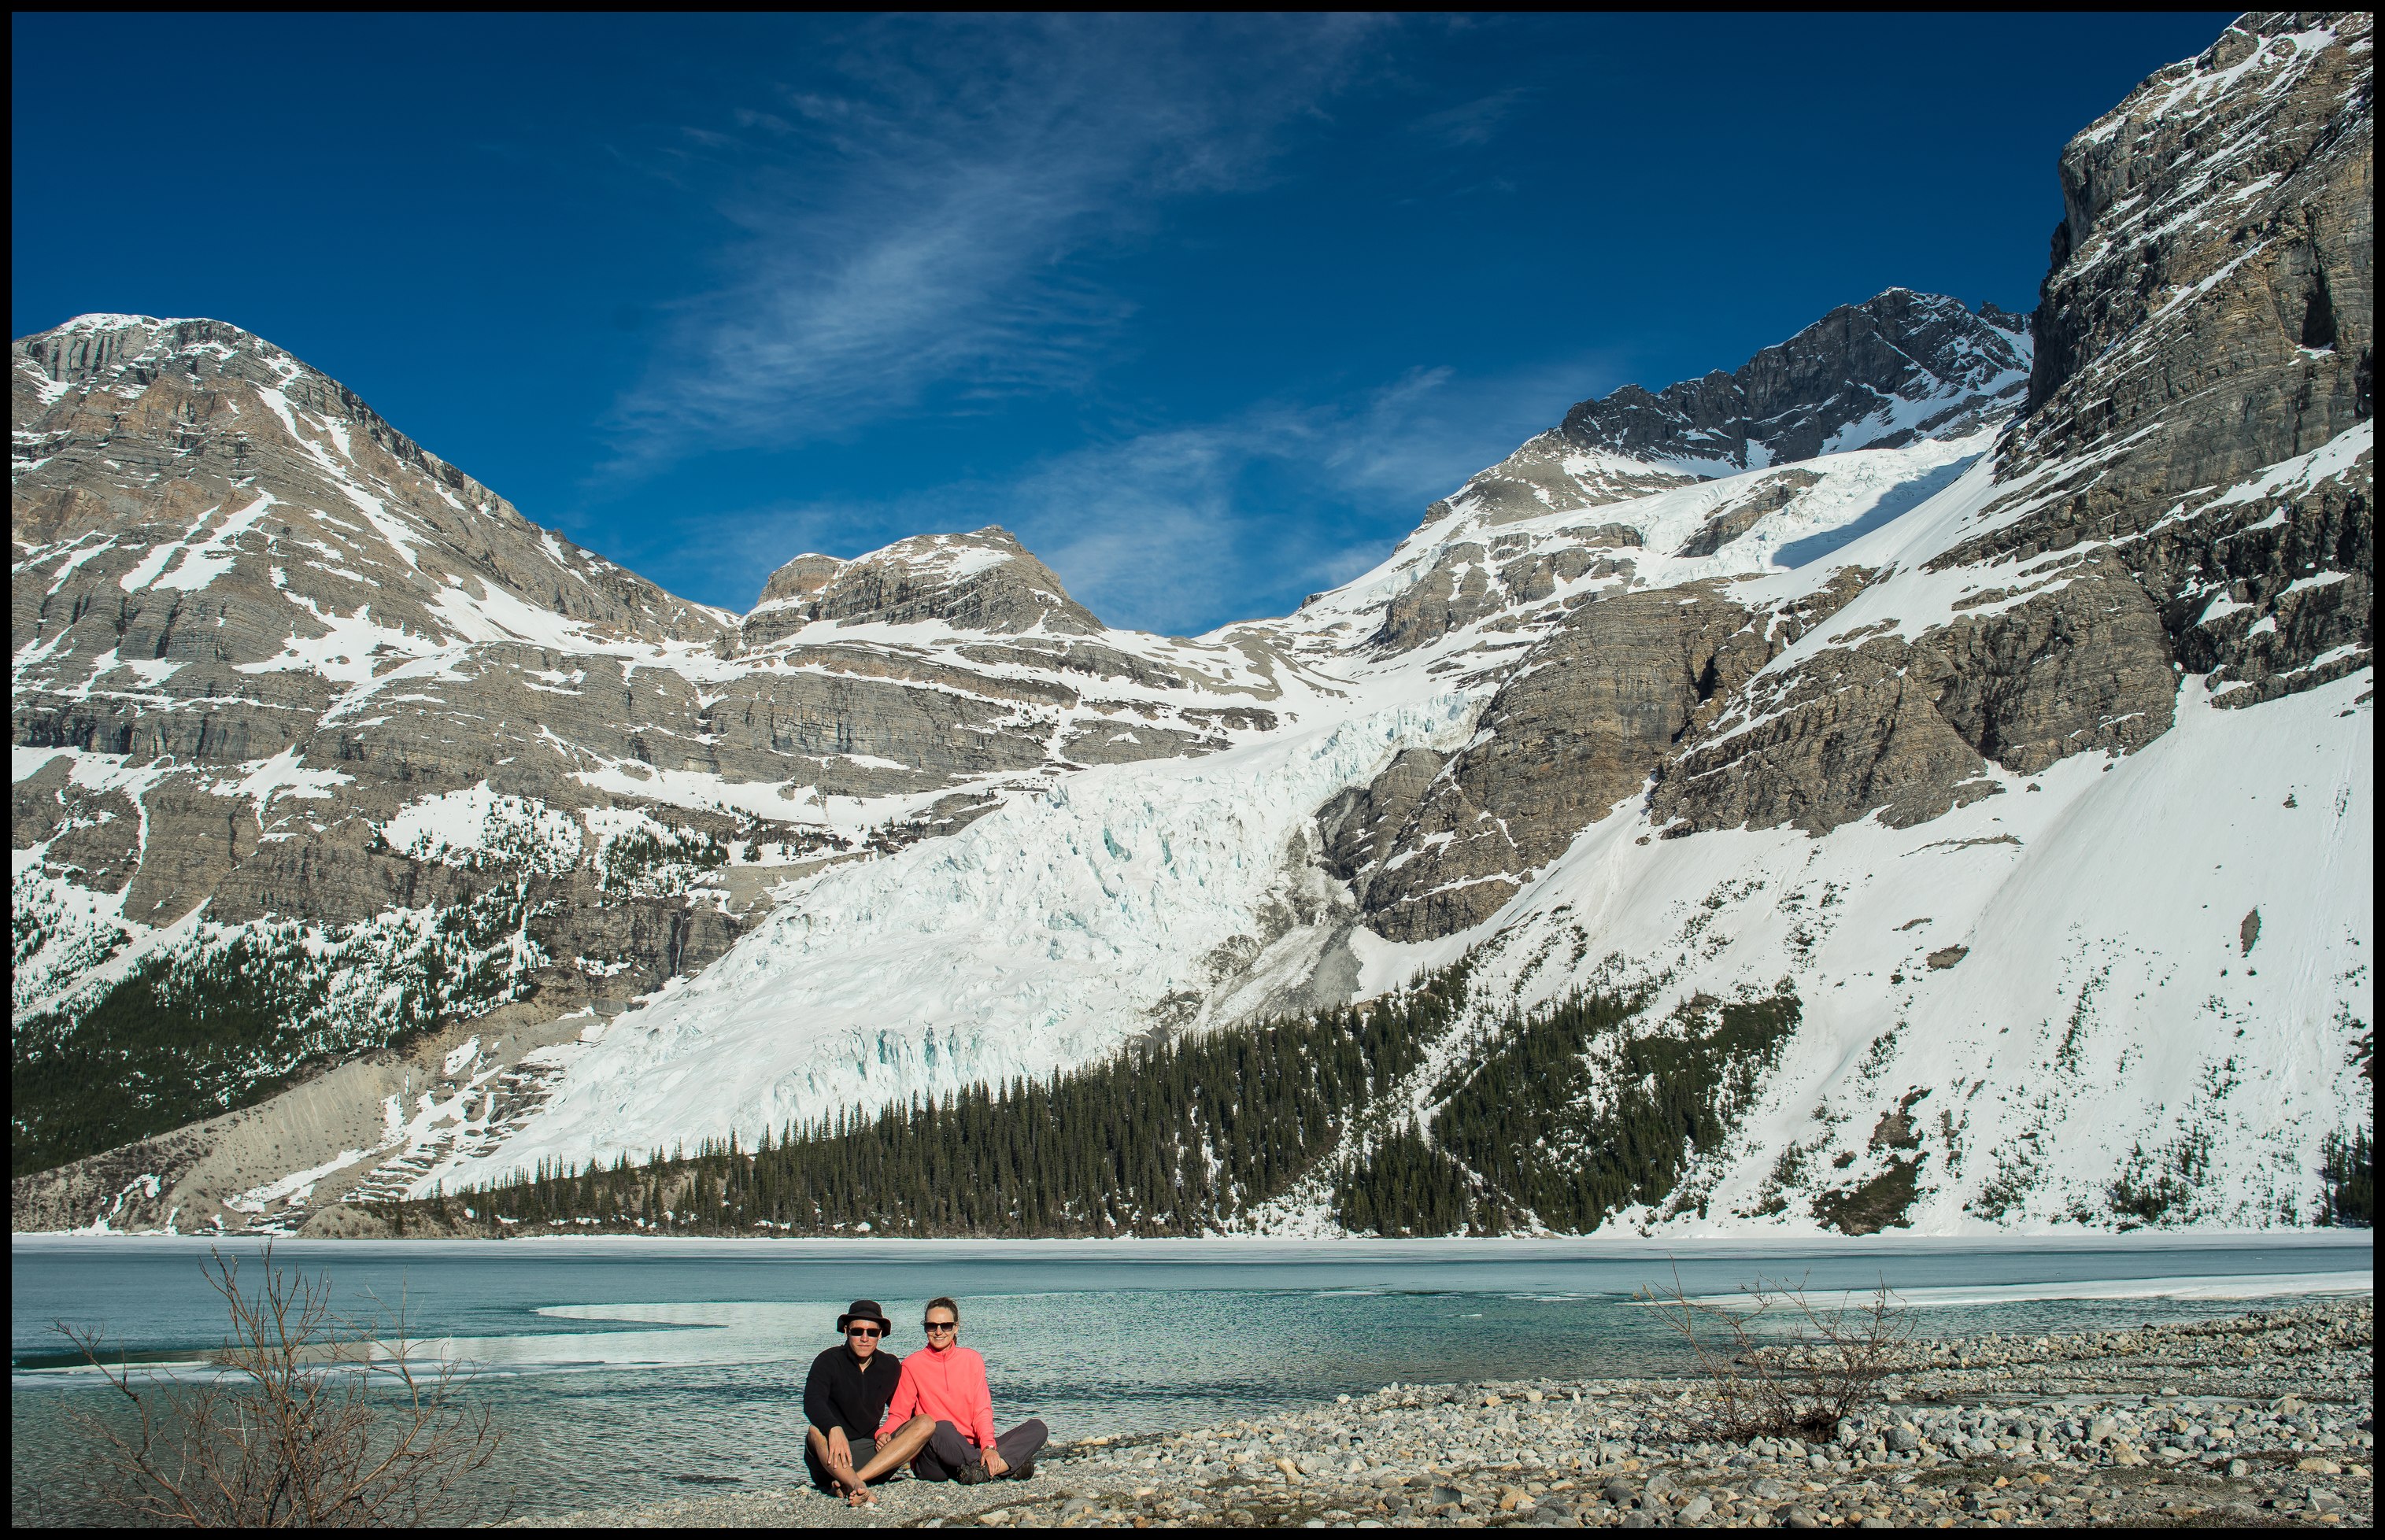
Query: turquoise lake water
(630, 1370)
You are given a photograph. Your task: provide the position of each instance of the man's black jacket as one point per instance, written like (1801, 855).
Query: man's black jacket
(846, 1392)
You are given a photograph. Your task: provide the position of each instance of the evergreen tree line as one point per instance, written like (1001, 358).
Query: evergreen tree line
(1175, 1139)
(156, 1051)
(1564, 1116)
(2350, 1180)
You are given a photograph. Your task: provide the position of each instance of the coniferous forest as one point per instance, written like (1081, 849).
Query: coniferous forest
(1192, 1135)
(1564, 1116)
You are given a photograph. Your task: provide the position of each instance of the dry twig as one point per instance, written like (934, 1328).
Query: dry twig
(306, 1420)
(1824, 1366)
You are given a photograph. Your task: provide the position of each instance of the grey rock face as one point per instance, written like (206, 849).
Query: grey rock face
(984, 581)
(1361, 825)
(2208, 217)
(1473, 579)
(1905, 728)
(2211, 312)
(214, 545)
(1575, 730)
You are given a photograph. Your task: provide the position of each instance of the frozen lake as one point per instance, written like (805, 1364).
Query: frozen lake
(628, 1370)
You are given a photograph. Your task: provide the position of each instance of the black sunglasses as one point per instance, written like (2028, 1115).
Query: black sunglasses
(863, 1331)
(942, 1325)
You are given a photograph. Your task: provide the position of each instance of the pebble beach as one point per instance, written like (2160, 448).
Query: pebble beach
(2263, 1418)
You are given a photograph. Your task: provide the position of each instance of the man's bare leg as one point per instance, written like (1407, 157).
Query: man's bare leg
(891, 1455)
(839, 1467)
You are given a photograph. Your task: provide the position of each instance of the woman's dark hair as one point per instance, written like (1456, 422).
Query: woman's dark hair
(947, 1301)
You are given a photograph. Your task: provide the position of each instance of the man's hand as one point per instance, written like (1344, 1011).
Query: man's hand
(995, 1464)
(840, 1448)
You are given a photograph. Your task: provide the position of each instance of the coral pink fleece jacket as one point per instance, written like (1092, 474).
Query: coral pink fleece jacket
(947, 1386)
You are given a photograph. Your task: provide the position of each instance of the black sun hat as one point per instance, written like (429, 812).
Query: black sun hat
(865, 1309)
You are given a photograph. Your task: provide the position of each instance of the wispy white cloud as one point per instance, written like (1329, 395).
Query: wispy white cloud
(1475, 122)
(1183, 529)
(917, 232)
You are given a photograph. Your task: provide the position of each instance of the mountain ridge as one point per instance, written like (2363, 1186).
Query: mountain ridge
(1875, 728)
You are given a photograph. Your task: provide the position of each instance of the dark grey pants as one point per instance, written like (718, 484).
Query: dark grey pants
(949, 1456)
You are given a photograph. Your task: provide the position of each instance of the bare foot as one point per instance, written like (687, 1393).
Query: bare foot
(860, 1496)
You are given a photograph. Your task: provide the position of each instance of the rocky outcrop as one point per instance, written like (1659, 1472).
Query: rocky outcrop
(2203, 385)
(984, 581)
(1631, 678)
(2191, 491)
(1574, 731)
(1769, 495)
(1899, 367)
(1475, 578)
(1904, 729)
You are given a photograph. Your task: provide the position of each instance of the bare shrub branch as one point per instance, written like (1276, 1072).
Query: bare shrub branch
(305, 1419)
(1816, 1367)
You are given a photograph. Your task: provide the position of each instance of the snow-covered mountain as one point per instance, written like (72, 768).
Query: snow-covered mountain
(319, 743)
(2010, 707)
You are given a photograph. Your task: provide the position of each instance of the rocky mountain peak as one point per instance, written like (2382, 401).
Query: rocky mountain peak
(201, 445)
(980, 581)
(801, 580)
(2187, 499)
(317, 734)
(2200, 406)
(2280, 99)
(1899, 366)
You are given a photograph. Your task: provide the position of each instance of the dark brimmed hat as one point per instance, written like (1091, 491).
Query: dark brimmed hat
(865, 1309)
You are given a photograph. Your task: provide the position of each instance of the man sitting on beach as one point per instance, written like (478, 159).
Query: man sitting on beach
(845, 1400)
(944, 1383)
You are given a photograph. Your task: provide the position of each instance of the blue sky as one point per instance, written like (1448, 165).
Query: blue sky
(1204, 310)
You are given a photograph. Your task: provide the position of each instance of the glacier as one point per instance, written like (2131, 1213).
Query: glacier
(1045, 935)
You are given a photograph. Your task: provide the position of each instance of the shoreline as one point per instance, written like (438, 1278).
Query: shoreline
(2258, 1418)
(1488, 1247)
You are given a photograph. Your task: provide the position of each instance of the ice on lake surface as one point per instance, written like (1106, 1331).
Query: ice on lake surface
(626, 1370)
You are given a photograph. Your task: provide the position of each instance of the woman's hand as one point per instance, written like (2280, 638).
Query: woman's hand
(995, 1464)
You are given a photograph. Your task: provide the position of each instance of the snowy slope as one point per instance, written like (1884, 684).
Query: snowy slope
(2155, 964)
(2106, 999)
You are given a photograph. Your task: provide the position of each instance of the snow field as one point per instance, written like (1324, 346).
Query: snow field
(2106, 1002)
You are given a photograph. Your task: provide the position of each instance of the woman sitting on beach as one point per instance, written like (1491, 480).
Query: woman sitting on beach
(946, 1381)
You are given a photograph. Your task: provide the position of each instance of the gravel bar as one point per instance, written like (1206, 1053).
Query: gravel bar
(2258, 1418)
